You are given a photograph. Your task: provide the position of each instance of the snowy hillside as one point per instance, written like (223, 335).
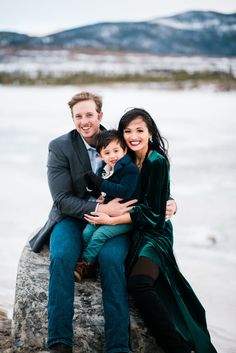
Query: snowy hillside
(190, 33)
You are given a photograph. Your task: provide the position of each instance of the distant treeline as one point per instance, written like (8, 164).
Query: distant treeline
(176, 79)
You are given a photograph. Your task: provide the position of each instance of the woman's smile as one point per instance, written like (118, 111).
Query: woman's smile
(137, 135)
(134, 143)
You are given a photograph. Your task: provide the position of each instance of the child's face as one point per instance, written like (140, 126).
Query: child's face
(112, 153)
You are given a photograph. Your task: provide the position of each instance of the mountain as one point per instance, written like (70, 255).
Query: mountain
(14, 39)
(189, 33)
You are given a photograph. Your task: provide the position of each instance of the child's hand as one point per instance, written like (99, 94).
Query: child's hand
(100, 199)
(93, 179)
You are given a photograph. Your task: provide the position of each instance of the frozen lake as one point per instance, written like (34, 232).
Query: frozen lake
(111, 63)
(200, 126)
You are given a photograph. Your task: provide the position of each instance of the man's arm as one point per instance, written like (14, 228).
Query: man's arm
(110, 217)
(61, 184)
(115, 208)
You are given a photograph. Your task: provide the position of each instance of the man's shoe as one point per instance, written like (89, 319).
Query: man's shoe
(60, 348)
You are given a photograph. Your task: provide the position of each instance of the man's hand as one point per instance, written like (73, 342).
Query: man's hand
(171, 208)
(116, 208)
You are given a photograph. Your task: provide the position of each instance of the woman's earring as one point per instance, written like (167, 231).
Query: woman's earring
(150, 139)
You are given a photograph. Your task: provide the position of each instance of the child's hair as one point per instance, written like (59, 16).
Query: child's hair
(105, 137)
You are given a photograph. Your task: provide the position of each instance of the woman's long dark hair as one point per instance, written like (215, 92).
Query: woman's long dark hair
(158, 142)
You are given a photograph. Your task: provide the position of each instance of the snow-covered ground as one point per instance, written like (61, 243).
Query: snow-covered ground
(201, 129)
(65, 61)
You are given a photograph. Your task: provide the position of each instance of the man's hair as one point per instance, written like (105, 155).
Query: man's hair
(103, 138)
(85, 96)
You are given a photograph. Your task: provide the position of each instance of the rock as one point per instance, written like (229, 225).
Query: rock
(29, 326)
(5, 332)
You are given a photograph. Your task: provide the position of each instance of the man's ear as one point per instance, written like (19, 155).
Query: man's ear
(100, 116)
(125, 149)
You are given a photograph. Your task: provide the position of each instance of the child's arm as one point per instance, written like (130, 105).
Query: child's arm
(124, 189)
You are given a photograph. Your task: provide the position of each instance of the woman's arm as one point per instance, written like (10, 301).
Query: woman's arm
(151, 212)
(103, 218)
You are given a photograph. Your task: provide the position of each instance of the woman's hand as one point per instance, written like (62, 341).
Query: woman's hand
(98, 218)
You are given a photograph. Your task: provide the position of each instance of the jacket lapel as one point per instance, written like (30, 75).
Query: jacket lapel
(81, 151)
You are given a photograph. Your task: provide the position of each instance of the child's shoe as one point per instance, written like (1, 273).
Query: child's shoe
(84, 270)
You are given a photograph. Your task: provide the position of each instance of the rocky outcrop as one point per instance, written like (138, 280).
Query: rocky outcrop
(5, 332)
(29, 326)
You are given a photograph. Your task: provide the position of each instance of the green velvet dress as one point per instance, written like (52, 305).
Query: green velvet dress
(153, 238)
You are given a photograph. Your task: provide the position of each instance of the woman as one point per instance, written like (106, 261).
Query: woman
(165, 300)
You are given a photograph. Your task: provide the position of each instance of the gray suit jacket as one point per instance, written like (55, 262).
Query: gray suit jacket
(68, 161)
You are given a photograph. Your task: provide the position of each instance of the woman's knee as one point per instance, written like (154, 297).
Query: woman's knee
(140, 283)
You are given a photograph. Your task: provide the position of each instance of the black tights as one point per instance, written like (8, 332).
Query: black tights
(152, 310)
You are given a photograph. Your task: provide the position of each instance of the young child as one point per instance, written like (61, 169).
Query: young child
(119, 178)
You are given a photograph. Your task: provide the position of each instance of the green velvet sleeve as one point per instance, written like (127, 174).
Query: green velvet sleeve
(150, 213)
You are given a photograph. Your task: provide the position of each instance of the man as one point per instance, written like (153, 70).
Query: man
(70, 157)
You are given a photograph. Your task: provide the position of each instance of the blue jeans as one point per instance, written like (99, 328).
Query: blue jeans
(94, 238)
(65, 249)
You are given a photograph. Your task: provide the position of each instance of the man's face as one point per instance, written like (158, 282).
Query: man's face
(86, 119)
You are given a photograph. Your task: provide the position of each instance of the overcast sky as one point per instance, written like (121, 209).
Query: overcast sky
(49, 16)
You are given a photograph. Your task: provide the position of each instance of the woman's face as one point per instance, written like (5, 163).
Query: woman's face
(137, 135)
